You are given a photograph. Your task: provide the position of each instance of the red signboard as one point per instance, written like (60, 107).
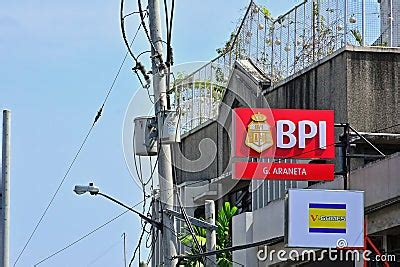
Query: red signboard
(283, 133)
(283, 171)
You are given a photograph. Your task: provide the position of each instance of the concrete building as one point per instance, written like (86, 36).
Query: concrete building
(362, 86)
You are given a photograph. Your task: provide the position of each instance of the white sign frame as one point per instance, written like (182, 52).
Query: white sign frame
(297, 224)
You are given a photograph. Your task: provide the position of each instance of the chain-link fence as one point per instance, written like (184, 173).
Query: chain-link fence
(285, 45)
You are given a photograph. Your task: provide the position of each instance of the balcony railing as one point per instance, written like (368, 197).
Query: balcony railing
(283, 46)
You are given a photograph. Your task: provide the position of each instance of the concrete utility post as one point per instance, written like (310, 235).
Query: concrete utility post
(211, 235)
(5, 200)
(164, 150)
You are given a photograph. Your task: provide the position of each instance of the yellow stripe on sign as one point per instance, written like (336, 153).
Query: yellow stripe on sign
(327, 218)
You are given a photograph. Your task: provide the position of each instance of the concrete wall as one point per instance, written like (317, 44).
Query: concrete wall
(380, 180)
(189, 149)
(373, 88)
(362, 85)
(321, 86)
(243, 228)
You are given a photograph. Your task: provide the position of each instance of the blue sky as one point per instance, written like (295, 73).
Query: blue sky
(58, 59)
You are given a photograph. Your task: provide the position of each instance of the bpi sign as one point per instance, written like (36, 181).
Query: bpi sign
(283, 134)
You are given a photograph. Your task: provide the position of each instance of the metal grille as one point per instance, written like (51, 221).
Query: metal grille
(285, 45)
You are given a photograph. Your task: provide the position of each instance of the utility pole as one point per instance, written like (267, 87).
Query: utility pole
(211, 235)
(5, 199)
(124, 236)
(164, 150)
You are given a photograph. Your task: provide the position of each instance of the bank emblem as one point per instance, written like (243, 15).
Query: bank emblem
(259, 135)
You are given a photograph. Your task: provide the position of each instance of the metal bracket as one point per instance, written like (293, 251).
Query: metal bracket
(194, 221)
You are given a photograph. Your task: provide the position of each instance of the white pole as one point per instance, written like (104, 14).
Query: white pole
(164, 158)
(5, 238)
(363, 29)
(211, 235)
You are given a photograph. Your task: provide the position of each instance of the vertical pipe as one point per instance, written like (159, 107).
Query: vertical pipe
(313, 29)
(304, 33)
(192, 109)
(295, 40)
(250, 33)
(264, 53)
(258, 28)
(272, 49)
(155, 259)
(211, 235)
(204, 93)
(337, 23)
(287, 45)
(210, 112)
(391, 23)
(280, 51)
(319, 30)
(345, 22)
(124, 236)
(199, 98)
(363, 22)
(6, 188)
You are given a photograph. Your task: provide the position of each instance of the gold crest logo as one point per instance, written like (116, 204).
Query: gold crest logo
(259, 135)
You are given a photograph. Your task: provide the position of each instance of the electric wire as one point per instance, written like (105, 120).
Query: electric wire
(182, 208)
(202, 181)
(152, 249)
(98, 115)
(103, 253)
(122, 24)
(144, 192)
(144, 26)
(153, 234)
(137, 249)
(171, 21)
(132, 13)
(86, 235)
(170, 59)
(332, 144)
(166, 23)
(386, 128)
(138, 245)
(233, 248)
(54, 195)
(177, 236)
(144, 52)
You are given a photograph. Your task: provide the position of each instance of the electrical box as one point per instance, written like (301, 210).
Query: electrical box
(171, 127)
(145, 136)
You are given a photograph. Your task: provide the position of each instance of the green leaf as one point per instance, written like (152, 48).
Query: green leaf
(266, 12)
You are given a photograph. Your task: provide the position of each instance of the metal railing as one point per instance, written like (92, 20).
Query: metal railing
(285, 45)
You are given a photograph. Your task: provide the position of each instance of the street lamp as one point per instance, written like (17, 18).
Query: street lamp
(94, 190)
(82, 189)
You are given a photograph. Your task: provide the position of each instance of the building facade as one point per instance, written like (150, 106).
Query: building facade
(362, 86)
(360, 83)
